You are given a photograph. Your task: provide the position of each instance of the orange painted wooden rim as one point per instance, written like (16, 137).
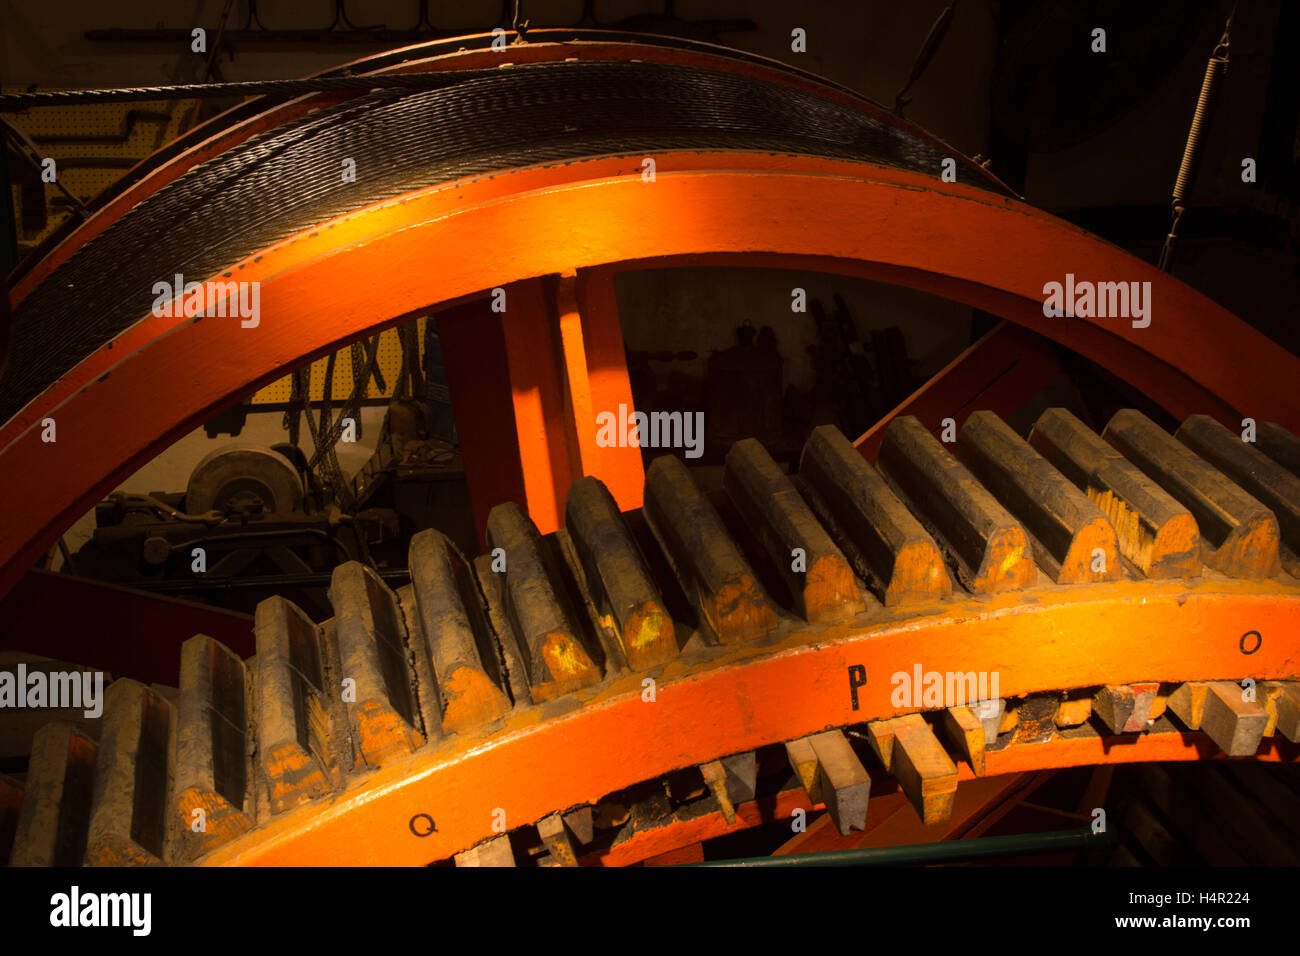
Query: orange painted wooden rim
(369, 269)
(578, 749)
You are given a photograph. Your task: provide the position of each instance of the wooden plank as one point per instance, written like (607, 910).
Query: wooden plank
(923, 768)
(128, 811)
(380, 704)
(1188, 813)
(1156, 533)
(1236, 725)
(887, 546)
(457, 634)
(712, 571)
(843, 781)
(814, 569)
(617, 576)
(988, 547)
(965, 731)
(1241, 533)
(53, 819)
(213, 802)
(554, 654)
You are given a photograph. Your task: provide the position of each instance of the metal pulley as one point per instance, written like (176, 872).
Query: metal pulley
(244, 478)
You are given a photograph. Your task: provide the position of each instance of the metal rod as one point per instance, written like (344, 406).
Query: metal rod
(315, 580)
(410, 81)
(947, 851)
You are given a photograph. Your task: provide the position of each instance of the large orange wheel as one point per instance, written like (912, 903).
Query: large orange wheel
(573, 743)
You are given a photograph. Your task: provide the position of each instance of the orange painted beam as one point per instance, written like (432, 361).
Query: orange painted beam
(1004, 369)
(367, 270)
(549, 458)
(604, 364)
(740, 697)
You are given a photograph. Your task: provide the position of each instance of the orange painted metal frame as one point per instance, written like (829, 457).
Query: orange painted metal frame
(370, 269)
(576, 750)
(1007, 366)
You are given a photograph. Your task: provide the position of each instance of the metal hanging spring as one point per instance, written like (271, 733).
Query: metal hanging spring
(1214, 70)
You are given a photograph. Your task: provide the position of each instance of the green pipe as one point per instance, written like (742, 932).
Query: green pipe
(947, 851)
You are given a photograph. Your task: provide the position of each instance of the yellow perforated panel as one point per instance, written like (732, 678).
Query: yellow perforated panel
(93, 146)
(390, 364)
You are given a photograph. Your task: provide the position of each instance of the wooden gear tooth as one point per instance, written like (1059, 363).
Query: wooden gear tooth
(1242, 534)
(212, 799)
(293, 713)
(554, 655)
(11, 801)
(617, 575)
(923, 768)
(842, 781)
(823, 587)
(1252, 470)
(457, 634)
(895, 552)
(53, 819)
(1073, 541)
(128, 814)
(712, 570)
(1156, 533)
(989, 546)
(373, 655)
(1280, 445)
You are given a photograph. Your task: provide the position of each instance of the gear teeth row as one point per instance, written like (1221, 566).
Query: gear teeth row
(469, 642)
